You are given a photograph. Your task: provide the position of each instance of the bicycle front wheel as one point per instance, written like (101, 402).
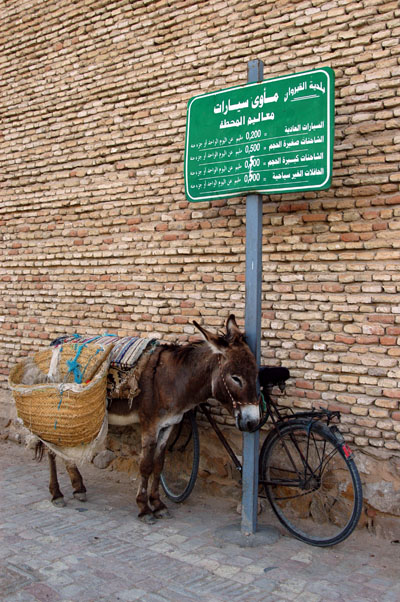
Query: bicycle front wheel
(181, 459)
(311, 482)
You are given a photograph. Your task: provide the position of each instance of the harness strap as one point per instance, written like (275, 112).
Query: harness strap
(234, 402)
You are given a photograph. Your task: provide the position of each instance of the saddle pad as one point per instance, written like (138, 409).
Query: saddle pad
(126, 351)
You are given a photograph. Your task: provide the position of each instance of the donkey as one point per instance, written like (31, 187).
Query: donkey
(176, 379)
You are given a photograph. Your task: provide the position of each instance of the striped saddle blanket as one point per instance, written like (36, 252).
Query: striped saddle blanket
(126, 365)
(126, 351)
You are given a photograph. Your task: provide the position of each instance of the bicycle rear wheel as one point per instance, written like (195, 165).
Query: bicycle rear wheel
(181, 459)
(311, 482)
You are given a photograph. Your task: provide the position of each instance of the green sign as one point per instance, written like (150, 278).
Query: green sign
(270, 137)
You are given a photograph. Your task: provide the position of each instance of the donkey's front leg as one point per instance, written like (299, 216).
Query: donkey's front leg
(79, 489)
(159, 508)
(146, 465)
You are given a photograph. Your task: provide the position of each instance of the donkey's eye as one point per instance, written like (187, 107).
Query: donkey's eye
(237, 380)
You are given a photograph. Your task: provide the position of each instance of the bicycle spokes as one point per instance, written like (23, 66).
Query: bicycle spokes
(310, 484)
(181, 460)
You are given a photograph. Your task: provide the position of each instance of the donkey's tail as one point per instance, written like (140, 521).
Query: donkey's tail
(39, 451)
(33, 442)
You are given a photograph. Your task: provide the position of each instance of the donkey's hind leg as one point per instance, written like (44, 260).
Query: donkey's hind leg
(76, 481)
(57, 497)
(159, 508)
(146, 465)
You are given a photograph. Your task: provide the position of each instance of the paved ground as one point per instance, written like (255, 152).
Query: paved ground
(100, 551)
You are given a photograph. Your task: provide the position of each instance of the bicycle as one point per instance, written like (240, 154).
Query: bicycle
(306, 469)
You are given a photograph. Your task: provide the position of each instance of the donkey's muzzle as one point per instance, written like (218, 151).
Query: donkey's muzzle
(247, 417)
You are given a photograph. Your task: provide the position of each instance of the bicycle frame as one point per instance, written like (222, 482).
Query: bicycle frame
(221, 437)
(305, 467)
(278, 418)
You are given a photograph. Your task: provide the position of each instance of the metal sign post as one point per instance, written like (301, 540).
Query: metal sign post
(267, 137)
(253, 332)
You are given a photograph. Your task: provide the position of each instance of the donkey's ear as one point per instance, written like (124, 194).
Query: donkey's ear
(213, 340)
(232, 329)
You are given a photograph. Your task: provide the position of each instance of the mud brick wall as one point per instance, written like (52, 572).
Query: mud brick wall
(96, 233)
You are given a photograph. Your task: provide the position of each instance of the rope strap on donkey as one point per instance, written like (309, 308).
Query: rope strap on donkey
(74, 366)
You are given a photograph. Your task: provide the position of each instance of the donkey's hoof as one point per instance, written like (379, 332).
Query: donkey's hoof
(148, 519)
(59, 502)
(80, 496)
(162, 513)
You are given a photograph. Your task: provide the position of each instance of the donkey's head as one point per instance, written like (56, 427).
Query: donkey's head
(234, 375)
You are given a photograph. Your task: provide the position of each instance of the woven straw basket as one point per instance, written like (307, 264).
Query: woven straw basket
(64, 413)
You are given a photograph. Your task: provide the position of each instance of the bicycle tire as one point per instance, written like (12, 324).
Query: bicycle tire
(311, 482)
(181, 463)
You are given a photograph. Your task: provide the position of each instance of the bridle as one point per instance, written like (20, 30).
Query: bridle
(235, 403)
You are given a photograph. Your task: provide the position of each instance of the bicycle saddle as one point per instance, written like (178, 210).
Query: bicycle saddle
(272, 375)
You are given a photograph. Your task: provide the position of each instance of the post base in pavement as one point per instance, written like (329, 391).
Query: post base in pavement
(264, 536)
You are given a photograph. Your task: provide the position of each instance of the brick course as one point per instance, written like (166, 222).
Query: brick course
(96, 233)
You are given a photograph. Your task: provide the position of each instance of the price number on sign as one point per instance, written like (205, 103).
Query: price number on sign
(252, 177)
(253, 135)
(252, 148)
